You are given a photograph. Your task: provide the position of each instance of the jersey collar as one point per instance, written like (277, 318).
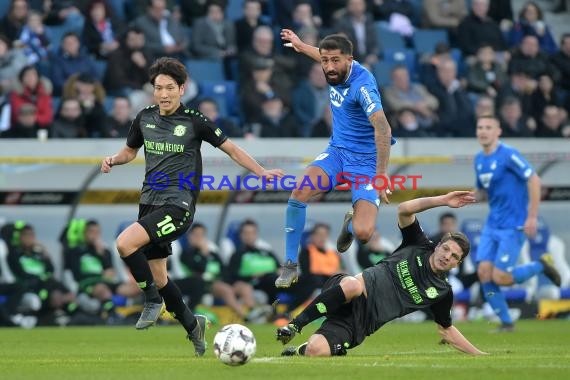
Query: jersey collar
(349, 73)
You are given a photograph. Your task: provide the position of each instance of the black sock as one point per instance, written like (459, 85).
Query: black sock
(176, 306)
(140, 270)
(326, 302)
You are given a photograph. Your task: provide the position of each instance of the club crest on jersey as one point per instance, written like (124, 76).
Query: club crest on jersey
(431, 292)
(336, 98)
(179, 130)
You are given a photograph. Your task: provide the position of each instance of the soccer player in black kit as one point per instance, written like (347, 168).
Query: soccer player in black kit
(413, 277)
(171, 135)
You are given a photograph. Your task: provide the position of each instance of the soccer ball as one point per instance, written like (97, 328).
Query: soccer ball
(234, 344)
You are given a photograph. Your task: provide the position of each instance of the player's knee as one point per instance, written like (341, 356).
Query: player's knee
(502, 278)
(362, 233)
(484, 272)
(124, 247)
(351, 288)
(303, 194)
(317, 348)
(160, 280)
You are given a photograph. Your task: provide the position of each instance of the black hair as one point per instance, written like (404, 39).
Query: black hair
(336, 42)
(197, 225)
(26, 69)
(245, 223)
(171, 67)
(447, 215)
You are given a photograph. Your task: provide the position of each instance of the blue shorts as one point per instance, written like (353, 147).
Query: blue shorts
(343, 166)
(501, 247)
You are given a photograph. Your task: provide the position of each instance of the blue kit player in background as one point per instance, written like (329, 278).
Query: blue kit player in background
(359, 146)
(512, 188)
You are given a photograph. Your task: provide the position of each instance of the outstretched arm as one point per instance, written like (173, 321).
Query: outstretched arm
(407, 210)
(125, 155)
(242, 158)
(300, 47)
(453, 336)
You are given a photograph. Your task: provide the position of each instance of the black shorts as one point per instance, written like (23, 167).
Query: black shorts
(164, 224)
(343, 326)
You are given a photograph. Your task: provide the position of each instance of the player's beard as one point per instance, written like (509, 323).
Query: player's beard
(338, 79)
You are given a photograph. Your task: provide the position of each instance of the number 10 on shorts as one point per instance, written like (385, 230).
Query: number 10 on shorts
(165, 226)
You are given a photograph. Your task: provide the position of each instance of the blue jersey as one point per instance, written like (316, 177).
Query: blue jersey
(504, 174)
(352, 102)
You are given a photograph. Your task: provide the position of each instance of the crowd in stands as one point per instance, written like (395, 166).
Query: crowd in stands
(79, 69)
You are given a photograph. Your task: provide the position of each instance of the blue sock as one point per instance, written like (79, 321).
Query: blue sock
(496, 299)
(294, 226)
(526, 271)
(349, 227)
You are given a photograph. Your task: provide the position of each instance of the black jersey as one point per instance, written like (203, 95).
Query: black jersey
(404, 282)
(172, 153)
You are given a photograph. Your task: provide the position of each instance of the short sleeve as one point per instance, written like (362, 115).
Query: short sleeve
(442, 310)
(368, 97)
(518, 165)
(209, 131)
(414, 235)
(135, 137)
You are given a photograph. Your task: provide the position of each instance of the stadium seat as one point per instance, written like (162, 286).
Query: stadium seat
(4, 6)
(224, 93)
(101, 68)
(234, 10)
(406, 57)
(382, 71)
(389, 39)
(55, 34)
(425, 40)
(205, 70)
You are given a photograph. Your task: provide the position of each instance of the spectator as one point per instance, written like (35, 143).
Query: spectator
(34, 90)
(485, 106)
(205, 272)
(13, 22)
(65, 13)
(276, 120)
(191, 10)
(11, 62)
(333, 10)
(209, 108)
(263, 47)
(552, 124)
(531, 23)
(561, 61)
(485, 76)
(245, 26)
(31, 265)
(5, 111)
(529, 57)
(370, 253)
(358, 26)
(444, 14)
(544, 95)
(70, 60)
(264, 84)
(303, 63)
(384, 9)
(34, 40)
(455, 110)
(317, 261)
(412, 96)
(25, 124)
(310, 99)
(91, 96)
(101, 30)
(429, 62)
(519, 85)
(478, 28)
(127, 67)
(302, 16)
(407, 125)
(253, 265)
(92, 268)
(164, 35)
(119, 122)
(69, 121)
(213, 37)
(323, 128)
(514, 123)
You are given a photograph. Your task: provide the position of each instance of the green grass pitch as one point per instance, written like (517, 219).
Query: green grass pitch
(537, 350)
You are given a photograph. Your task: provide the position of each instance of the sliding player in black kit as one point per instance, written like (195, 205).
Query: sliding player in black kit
(171, 135)
(414, 277)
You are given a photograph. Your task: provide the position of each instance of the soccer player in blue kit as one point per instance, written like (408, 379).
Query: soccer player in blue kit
(512, 188)
(359, 146)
